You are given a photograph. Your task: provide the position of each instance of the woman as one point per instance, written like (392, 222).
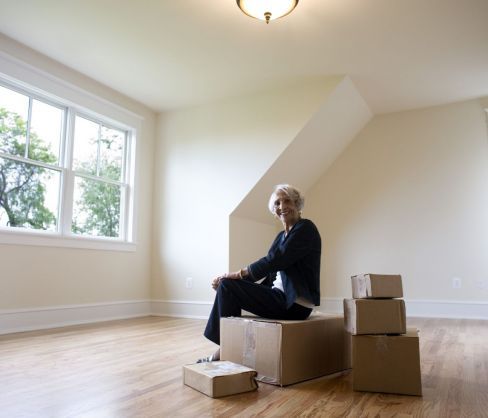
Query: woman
(291, 272)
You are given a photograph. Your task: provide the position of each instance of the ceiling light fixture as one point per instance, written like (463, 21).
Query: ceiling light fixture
(267, 9)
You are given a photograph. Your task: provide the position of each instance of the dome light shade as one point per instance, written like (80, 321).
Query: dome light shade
(267, 9)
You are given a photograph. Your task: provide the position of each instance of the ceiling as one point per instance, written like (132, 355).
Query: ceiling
(167, 54)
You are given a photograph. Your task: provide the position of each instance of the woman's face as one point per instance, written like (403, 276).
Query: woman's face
(285, 209)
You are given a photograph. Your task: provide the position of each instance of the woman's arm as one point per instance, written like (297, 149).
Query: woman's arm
(237, 275)
(302, 240)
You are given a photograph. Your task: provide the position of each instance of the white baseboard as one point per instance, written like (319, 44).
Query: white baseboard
(20, 320)
(447, 309)
(181, 308)
(330, 305)
(415, 308)
(424, 308)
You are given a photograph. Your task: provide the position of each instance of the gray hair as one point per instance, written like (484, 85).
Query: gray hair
(292, 192)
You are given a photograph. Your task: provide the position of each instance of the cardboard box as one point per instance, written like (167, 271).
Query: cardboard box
(286, 352)
(375, 316)
(377, 286)
(386, 363)
(219, 378)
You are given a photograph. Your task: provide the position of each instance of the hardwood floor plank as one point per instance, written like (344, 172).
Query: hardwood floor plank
(133, 368)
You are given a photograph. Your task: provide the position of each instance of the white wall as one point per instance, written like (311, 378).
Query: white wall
(249, 240)
(410, 196)
(339, 118)
(209, 158)
(39, 277)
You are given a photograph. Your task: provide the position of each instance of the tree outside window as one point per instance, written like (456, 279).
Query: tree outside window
(33, 151)
(98, 161)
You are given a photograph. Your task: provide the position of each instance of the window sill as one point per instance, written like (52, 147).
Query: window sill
(55, 240)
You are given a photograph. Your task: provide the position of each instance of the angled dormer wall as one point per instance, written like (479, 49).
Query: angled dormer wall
(340, 117)
(209, 159)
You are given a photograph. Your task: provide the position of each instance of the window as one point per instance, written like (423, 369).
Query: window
(63, 171)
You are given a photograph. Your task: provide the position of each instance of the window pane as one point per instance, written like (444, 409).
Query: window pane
(45, 132)
(29, 195)
(111, 153)
(96, 208)
(14, 108)
(86, 145)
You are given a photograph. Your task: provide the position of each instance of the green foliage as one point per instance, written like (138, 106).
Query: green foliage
(22, 191)
(101, 202)
(99, 205)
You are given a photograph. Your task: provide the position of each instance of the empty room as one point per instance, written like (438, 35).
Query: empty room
(243, 208)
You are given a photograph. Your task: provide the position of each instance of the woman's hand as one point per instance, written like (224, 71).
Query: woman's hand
(216, 282)
(233, 276)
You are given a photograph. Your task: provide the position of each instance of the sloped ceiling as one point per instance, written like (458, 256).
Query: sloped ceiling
(170, 54)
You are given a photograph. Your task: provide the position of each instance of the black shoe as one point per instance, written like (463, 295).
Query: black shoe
(207, 359)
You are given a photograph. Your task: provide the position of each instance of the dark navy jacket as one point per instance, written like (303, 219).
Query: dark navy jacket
(297, 257)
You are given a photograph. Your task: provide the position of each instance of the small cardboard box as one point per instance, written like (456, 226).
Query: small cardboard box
(387, 363)
(219, 378)
(377, 286)
(375, 316)
(286, 352)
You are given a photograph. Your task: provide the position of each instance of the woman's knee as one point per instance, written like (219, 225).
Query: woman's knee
(230, 287)
(226, 285)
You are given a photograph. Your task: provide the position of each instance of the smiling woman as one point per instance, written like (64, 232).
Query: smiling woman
(289, 274)
(286, 203)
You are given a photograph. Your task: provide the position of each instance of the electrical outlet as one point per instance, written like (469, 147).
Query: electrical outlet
(457, 283)
(482, 284)
(189, 282)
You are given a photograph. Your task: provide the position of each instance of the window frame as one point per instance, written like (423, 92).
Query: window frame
(63, 237)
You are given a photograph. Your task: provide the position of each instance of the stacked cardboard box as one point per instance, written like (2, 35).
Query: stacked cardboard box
(385, 354)
(286, 352)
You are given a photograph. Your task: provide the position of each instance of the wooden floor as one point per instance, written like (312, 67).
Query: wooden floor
(133, 368)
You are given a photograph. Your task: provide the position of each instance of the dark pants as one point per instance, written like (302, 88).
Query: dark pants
(234, 295)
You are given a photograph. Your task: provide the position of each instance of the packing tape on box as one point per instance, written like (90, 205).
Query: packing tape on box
(362, 287)
(382, 344)
(249, 349)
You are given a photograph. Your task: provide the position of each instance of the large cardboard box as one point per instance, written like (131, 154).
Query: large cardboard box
(375, 316)
(377, 286)
(219, 378)
(387, 363)
(286, 352)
